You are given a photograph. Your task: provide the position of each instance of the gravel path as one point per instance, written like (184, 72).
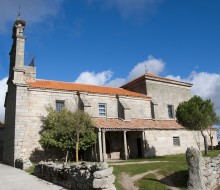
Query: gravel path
(130, 163)
(128, 182)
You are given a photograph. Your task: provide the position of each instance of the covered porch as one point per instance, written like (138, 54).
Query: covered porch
(122, 144)
(121, 139)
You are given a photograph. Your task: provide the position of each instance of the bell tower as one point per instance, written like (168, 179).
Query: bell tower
(17, 69)
(16, 99)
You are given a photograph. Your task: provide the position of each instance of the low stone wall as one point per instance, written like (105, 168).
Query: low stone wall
(83, 176)
(204, 173)
(211, 172)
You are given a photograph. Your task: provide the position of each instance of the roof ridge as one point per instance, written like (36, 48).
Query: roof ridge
(156, 77)
(165, 78)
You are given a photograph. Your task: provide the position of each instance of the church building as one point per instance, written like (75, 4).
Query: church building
(135, 120)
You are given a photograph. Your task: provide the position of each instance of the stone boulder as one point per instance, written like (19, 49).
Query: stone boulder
(194, 161)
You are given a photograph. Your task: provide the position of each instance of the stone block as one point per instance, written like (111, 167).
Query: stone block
(104, 182)
(103, 173)
(102, 166)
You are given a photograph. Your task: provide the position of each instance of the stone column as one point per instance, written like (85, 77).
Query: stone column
(125, 146)
(195, 167)
(143, 144)
(100, 145)
(104, 146)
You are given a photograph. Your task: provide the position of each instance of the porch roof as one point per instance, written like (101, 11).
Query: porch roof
(136, 124)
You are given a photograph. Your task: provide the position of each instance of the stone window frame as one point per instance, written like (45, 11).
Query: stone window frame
(176, 140)
(102, 109)
(170, 109)
(60, 104)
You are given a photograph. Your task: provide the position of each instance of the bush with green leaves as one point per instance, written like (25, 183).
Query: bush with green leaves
(67, 131)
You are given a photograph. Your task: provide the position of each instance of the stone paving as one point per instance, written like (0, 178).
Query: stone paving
(15, 179)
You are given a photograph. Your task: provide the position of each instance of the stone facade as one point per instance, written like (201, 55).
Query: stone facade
(162, 141)
(166, 94)
(204, 173)
(134, 123)
(83, 176)
(163, 91)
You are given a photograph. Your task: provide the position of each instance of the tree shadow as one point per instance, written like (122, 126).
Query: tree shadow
(149, 152)
(38, 155)
(176, 179)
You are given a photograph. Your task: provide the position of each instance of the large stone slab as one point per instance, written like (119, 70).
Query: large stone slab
(103, 173)
(194, 160)
(104, 183)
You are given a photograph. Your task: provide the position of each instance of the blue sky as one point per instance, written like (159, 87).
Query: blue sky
(109, 42)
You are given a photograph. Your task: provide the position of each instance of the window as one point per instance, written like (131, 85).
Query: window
(59, 105)
(176, 141)
(170, 111)
(102, 109)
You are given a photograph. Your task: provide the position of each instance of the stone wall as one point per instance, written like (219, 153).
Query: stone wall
(9, 129)
(211, 172)
(165, 93)
(83, 176)
(162, 141)
(204, 173)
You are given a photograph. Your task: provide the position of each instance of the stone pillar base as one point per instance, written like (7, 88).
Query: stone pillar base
(105, 157)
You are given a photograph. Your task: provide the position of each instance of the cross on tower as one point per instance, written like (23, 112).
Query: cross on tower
(19, 11)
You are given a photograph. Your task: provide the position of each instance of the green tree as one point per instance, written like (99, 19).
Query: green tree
(66, 130)
(197, 114)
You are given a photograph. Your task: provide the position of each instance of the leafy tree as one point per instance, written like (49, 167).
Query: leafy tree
(197, 114)
(66, 130)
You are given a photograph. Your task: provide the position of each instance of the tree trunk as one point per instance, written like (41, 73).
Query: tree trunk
(211, 139)
(67, 155)
(77, 147)
(205, 142)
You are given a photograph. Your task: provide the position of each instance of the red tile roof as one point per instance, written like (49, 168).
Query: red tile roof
(68, 86)
(114, 123)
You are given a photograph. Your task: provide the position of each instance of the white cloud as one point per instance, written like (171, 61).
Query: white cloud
(94, 78)
(152, 65)
(31, 10)
(3, 89)
(116, 82)
(206, 85)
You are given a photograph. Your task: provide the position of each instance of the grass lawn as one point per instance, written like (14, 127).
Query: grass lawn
(175, 170)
